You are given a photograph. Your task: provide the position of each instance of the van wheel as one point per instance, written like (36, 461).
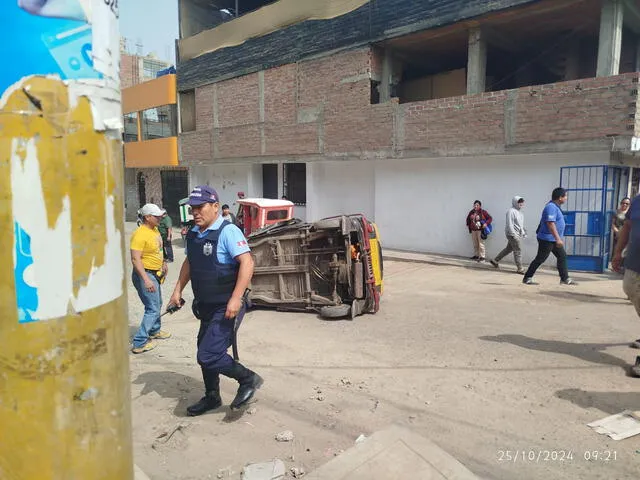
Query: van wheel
(335, 311)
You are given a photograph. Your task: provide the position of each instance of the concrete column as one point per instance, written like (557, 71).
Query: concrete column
(385, 81)
(610, 44)
(476, 62)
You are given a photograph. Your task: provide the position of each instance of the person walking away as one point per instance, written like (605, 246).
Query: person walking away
(165, 228)
(617, 222)
(219, 266)
(227, 215)
(149, 269)
(549, 235)
(515, 232)
(476, 222)
(629, 238)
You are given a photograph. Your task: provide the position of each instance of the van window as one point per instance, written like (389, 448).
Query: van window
(277, 215)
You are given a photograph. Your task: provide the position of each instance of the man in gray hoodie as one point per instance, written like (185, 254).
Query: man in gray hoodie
(515, 232)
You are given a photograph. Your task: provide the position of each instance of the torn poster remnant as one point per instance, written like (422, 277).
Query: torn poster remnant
(60, 133)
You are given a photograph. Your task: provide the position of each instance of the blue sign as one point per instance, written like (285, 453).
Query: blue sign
(35, 44)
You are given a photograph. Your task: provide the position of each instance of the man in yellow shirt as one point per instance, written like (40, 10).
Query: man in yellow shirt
(149, 268)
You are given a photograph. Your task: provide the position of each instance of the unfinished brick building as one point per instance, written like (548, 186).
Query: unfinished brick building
(408, 111)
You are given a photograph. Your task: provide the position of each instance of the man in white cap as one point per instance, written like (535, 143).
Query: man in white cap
(149, 271)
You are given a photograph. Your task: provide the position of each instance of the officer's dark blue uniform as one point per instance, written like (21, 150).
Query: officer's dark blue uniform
(214, 271)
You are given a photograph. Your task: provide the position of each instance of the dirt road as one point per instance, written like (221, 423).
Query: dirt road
(464, 355)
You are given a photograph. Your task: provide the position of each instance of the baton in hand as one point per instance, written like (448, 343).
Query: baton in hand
(237, 322)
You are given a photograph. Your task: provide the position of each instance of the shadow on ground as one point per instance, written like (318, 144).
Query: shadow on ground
(584, 297)
(589, 352)
(609, 402)
(185, 389)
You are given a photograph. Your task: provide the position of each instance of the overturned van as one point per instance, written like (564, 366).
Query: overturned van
(332, 266)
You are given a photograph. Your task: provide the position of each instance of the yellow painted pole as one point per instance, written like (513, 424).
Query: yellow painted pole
(64, 377)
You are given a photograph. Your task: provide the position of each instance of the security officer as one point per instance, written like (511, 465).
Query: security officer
(220, 268)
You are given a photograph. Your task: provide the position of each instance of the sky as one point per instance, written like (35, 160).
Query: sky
(153, 23)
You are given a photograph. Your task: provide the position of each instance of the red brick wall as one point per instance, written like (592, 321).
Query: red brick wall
(238, 141)
(204, 107)
(323, 107)
(238, 101)
(456, 121)
(280, 94)
(576, 110)
(129, 70)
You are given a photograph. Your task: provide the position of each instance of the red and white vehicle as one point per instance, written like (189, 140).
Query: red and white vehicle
(257, 213)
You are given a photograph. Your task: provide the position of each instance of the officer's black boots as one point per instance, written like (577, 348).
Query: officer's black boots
(211, 399)
(249, 382)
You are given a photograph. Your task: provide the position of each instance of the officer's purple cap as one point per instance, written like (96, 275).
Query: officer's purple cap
(203, 194)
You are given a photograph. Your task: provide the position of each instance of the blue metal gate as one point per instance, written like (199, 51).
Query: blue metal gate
(593, 195)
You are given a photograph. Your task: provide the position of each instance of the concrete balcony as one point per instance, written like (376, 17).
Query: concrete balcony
(159, 152)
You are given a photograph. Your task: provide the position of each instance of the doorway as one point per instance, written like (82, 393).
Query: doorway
(594, 194)
(175, 187)
(142, 191)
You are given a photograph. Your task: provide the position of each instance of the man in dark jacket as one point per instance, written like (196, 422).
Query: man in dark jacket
(219, 266)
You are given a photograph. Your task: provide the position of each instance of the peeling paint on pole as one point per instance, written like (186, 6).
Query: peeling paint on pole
(64, 380)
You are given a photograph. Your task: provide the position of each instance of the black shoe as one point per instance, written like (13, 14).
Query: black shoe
(568, 281)
(494, 263)
(635, 344)
(481, 260)
(475, 257)
(249, 382)
(210, 401)
(635, 370)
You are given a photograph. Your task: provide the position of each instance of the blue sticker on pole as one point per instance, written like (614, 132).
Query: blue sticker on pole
(26, 292)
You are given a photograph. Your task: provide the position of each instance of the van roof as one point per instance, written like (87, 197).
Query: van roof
(265, 202)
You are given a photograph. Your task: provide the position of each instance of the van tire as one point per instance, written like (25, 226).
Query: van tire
(335, 311)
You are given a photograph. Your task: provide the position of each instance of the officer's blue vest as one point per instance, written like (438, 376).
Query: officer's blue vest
(212, 281)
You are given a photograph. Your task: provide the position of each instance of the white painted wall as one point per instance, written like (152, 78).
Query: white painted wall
(228, 180)
(419, 204)
(422, 204)
(335, 188)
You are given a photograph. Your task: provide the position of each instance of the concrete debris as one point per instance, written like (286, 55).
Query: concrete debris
(376, 404)
(620, 426)
(252, 411)
(346, 382)
(273, 470)
(225, 473)
(286, 436)
(320, 398)
(297, 472)
(361, 439)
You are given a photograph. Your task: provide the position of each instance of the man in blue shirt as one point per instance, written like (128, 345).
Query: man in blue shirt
(629, 238)
(549, 234)
(219, 266)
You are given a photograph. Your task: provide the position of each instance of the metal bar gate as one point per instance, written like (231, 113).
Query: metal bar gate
(593, 195)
